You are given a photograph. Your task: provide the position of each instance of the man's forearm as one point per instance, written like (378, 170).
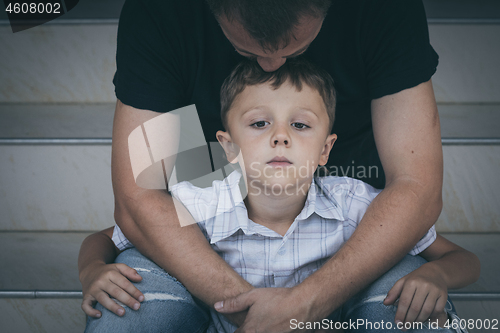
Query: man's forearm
(395, 221)
(150, 222)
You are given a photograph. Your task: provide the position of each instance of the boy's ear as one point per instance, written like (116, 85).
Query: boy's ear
(230, 148)
(330, 140)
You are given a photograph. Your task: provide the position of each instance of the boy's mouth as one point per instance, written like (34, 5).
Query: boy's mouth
(279, 161)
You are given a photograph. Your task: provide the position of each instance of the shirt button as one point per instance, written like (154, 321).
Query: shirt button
(281, 252)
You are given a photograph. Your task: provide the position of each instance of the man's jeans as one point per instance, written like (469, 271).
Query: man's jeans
(169, 307)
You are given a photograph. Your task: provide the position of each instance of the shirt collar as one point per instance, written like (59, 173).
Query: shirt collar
(321, 201)
(232, 215)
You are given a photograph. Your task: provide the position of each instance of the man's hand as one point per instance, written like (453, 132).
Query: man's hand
(269, 309)
(237, 318)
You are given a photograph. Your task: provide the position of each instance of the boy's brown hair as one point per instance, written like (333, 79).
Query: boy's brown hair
(297, 71)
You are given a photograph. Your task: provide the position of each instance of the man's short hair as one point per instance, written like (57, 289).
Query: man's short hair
(270, 22)
(297, 71)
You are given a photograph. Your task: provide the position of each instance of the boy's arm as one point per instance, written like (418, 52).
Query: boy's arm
(100, 278)
(97, 248)
(423, 293)
(456, 265)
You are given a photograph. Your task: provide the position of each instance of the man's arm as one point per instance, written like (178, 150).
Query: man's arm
(407, 134)
(149, 220)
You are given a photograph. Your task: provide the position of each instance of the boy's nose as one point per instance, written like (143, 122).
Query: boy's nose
(280, 137)
(284, 141)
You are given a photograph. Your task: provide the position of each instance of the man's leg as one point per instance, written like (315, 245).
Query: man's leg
(367, 308)
(168, 306)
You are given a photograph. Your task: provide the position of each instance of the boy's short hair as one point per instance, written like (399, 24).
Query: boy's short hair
(297, 71)
(270, 23)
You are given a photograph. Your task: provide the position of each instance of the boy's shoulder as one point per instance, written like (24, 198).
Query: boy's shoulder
(206, 192)
(206, 202)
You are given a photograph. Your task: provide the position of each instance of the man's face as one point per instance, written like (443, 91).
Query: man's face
(247, 46)
(282, 135)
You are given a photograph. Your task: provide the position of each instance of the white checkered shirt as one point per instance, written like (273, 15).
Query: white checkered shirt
(332, 211)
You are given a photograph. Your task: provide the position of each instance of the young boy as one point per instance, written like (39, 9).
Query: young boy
(288, 223)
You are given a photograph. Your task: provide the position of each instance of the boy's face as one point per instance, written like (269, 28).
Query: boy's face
(283, 135)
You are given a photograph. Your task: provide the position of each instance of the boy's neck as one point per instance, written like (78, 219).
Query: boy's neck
(276, 212)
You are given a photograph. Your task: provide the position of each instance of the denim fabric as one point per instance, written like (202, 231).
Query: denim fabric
(368, 305)
(168, 306)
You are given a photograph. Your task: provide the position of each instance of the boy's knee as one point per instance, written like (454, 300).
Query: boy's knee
(371, 315)
(168, 306)
(163, 313)
(384, 283)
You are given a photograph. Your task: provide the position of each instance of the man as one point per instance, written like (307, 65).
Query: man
(172, 54)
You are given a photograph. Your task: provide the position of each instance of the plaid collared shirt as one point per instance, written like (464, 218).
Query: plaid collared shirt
(332, 211)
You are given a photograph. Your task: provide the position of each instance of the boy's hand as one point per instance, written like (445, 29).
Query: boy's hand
(100, 281)
(422, 295)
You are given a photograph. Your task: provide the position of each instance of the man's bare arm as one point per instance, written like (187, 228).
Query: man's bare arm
(148, 219)
(407, 134)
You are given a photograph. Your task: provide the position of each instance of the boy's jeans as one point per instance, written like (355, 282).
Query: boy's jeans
(169, 307)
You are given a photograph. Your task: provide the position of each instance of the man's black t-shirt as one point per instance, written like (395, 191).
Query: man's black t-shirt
(173, 53)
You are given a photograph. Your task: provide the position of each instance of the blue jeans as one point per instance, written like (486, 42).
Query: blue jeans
(367, 308)
(169, 307)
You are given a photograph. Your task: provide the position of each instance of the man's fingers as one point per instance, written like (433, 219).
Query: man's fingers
(394, 293)
(88, 307)
(236, 304)
(237, 318)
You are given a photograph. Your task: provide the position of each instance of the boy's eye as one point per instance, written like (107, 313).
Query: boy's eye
(300, 125)
(260, 124)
